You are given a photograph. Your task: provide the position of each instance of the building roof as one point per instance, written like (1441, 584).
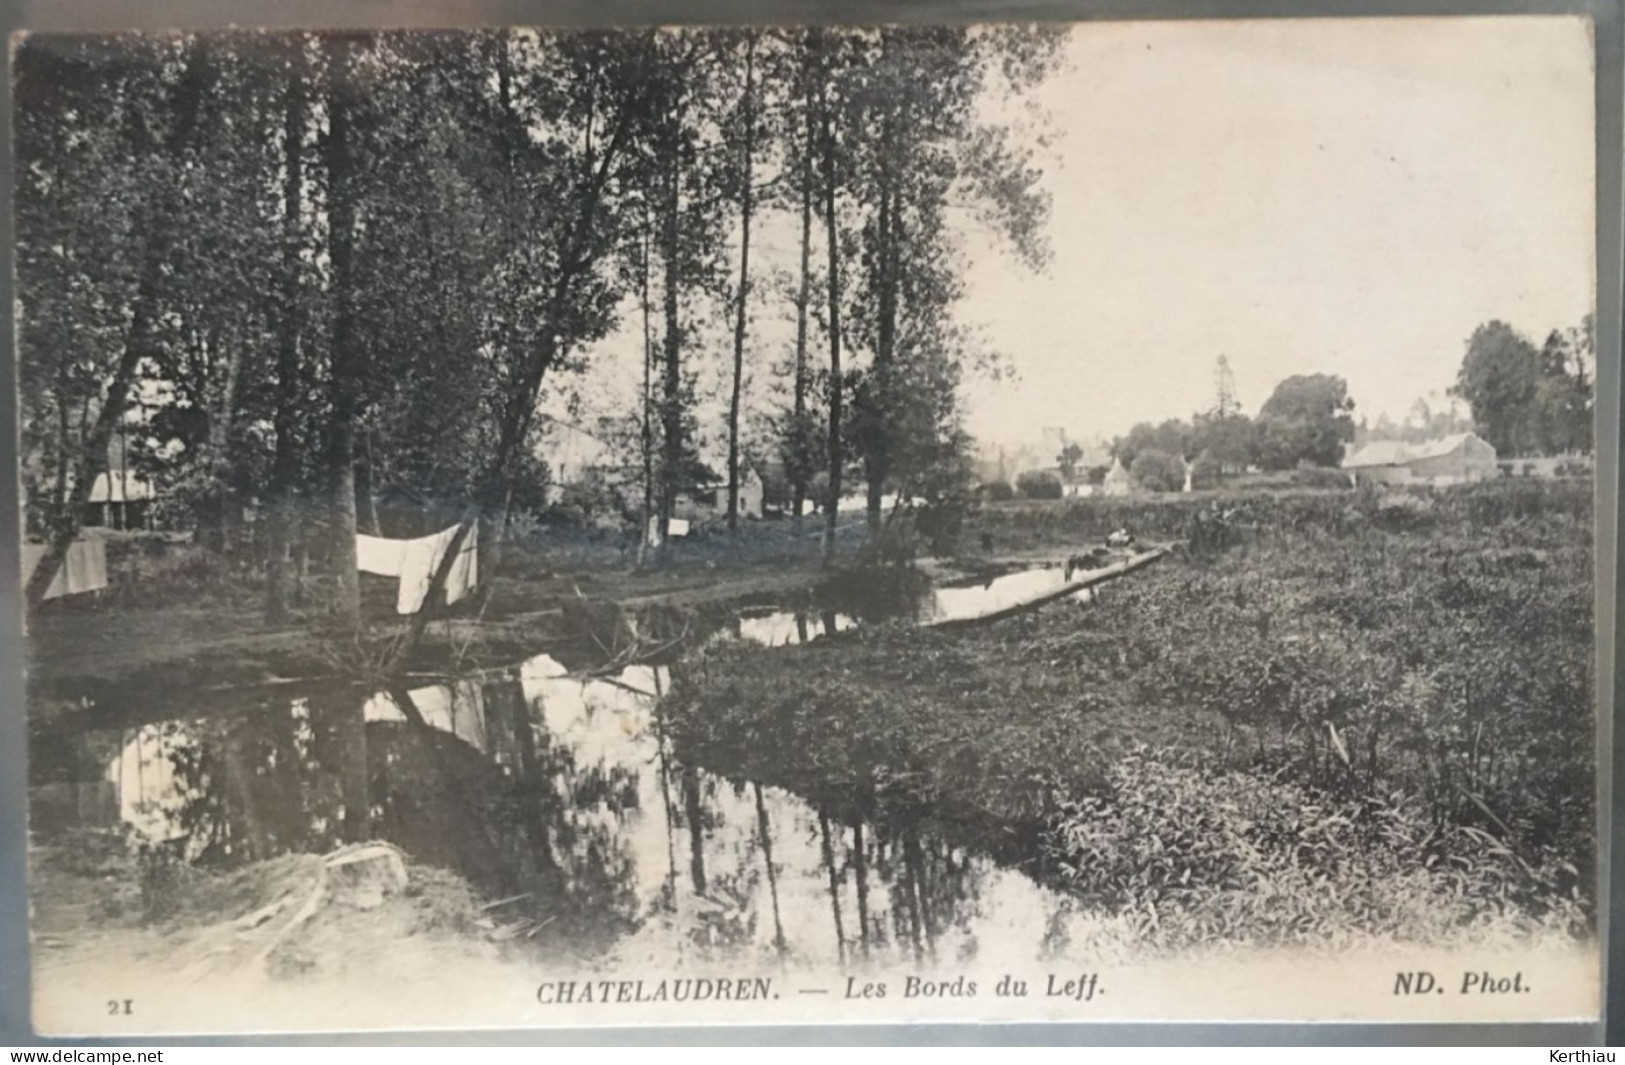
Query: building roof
(1095, 454)
(1398, 452)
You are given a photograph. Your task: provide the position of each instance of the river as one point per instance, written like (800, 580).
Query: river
(558, 798)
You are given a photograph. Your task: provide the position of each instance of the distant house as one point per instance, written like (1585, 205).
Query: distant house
(708, 498)
(1454, 459)
(1118, 482)
(1093, 455)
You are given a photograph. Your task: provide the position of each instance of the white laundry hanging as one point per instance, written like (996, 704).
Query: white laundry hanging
(83, 568)
(415, 561)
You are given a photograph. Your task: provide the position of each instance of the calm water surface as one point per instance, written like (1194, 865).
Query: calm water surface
(557, 797)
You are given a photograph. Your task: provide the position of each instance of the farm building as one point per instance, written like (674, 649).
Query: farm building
(1453, 459)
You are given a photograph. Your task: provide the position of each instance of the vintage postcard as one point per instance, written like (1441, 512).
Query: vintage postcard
(534, 527)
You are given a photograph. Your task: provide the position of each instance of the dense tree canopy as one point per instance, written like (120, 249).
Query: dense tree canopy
(1527, 400)
(319, 275)
(1306, 419)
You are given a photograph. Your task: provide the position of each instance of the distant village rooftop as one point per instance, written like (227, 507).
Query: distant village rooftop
(1449, 459)
(1399, 452)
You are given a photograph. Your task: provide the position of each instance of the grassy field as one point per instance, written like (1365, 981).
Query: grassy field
(1332, 715)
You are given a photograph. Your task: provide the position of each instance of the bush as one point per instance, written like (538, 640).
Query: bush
(939, 524)
(998, 491)
(1402, 512)
(1320, 477)
(1034, 485)
(1206, 471)
(1158, 471)
(1214, 530)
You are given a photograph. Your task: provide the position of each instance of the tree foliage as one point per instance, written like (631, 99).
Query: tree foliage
(1157, 470)
(328, 275)
(1527, 400)
(1306, 419)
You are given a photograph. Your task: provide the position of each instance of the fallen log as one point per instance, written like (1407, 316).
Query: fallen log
(1084, 580)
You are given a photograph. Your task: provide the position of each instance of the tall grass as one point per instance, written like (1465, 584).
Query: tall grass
(1375, 708)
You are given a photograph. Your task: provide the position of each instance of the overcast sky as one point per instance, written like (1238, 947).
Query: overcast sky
(1350, 197)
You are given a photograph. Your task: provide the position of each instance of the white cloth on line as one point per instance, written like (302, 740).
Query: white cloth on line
(375, 554)
(464, 575)
(83, 569)
(415, 561)
(677, 527)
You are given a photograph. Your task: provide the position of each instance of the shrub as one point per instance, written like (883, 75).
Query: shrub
(1206, 471)
(998, 491)
(1215, 529)
(1319, 477)
(940, 523)
(1158, 471)
(1035, 485)
(1403, 512)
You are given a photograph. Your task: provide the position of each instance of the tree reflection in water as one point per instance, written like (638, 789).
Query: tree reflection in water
(562, 799)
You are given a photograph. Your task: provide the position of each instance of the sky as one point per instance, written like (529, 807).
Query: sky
(1317, 196)
(1347, 197)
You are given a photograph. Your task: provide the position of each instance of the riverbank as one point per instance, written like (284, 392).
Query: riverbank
(183, 628)
(348, 915)
(1241, 748)
(183, 625)
(1377, 709)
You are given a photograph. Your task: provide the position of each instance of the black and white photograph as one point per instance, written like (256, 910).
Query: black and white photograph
(530, 527)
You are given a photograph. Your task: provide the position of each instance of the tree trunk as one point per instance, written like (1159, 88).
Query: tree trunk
(64, 456)
(520, 407)
(647, 425)
(831, 236)
(285, 463)
(672, 380)
(745, 206)
(347, 372)
(798, 480)
(877, 464)
(157, 225)
(220, 444)
(366, 488)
